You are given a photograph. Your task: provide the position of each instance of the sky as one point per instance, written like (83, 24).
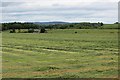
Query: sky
(105, 11)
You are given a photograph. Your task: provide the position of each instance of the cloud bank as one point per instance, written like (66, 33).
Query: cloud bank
(62, 10)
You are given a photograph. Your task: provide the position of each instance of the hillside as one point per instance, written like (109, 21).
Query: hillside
(49, 23)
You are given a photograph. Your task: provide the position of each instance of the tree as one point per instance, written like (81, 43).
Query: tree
(42, 30)
(101, 24)
(116, 22)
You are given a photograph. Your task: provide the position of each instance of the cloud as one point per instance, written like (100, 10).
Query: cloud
(11, 4)
(54, 10)
(60, 0)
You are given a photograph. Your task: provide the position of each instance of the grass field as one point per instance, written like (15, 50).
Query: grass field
(90, 53)
(110, 26)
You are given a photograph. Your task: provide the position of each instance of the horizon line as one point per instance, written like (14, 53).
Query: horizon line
(59, 21)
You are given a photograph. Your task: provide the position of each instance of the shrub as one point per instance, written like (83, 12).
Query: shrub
(12, 31)
(75, 32)
(43, 30)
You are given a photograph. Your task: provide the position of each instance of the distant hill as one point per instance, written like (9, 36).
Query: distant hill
(48, 23)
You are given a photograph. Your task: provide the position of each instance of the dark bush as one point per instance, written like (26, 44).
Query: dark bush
(43, 30)
(75, 32)
(12, 31)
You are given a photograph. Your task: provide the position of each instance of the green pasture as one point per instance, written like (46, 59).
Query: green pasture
(110, 26)
(89, 53)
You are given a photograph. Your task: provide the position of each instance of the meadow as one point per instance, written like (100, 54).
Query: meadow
(89, 53)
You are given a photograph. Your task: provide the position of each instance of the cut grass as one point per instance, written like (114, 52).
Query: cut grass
(61, 53)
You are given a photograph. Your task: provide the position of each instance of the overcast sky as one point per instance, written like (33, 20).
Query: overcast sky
(105, 11)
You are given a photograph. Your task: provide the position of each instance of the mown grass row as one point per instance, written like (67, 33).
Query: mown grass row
(21, 61)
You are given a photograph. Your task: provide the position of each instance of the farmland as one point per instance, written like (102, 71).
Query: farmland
(89, 53)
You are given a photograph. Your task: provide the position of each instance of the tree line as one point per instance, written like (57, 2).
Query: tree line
(75, 26)
(31, 26)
